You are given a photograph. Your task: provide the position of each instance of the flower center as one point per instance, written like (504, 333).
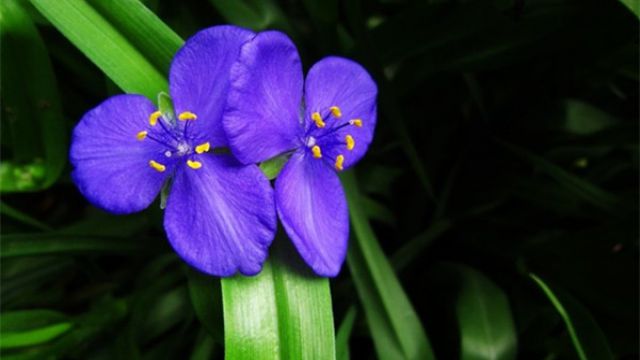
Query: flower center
(320, 122)
(174, 139)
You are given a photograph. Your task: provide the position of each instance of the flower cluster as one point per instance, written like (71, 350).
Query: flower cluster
(236, 90)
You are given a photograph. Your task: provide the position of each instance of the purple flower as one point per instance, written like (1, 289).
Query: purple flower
(327, 127)
(220, 214)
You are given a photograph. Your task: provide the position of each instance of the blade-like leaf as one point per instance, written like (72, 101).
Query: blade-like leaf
(146, 32)
(344, 332)
(282, 313)
(60, 244)
(394, 324)
(253, 14)
(588, 339)
(582, 188)
(633, 5)
(108, 48)
(31, 327)
(32, 105)
(487, 330)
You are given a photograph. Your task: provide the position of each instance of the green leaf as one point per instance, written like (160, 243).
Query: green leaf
(256, 15)
(60, 244)
(585, 119)
(487, 330)
(588, 339)
(272, 167)
(207, 303)
(22, 217)
(31, 327)
(102, 42)
(572, 183)
(282, 313)
(144, 29)
(31, 104)
(633, 5)
(395, 326)
(344, 332)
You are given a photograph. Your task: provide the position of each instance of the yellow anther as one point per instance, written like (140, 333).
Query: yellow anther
(194, 164)
(157, 166)
(203, 148)
(335, 111)
(141, 135)
(316, 151)
(356, 122)
(317, 119)
(187, 115)
(339, 162)
(350, 142)
(153, 118)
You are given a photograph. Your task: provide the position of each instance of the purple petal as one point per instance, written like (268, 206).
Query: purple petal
(313, 210)
(221, 218)
(111, 166)
(335, 81)
(263, 109)
(199, 77)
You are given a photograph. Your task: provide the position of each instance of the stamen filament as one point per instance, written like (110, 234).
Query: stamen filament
(339, 162)
(153, 118)
(203, 148)
(194, 164)
(317, 153)
(157, 166)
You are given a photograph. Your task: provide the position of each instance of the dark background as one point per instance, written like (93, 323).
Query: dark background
(507, 142)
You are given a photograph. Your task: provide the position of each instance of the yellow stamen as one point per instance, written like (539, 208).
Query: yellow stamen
(187, 115)
(157, 166)
(194, 164)
(350, 142)
(203, 148)
(336, 111)
(153, 118)
(356, 122)
(339, 162)
(317, 119)
(141, 135)
(316, 152)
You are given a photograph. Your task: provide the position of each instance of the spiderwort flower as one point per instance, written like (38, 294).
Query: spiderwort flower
(220, 214)
(325, 130)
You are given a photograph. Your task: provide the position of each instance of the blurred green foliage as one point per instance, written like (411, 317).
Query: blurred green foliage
(494, 217)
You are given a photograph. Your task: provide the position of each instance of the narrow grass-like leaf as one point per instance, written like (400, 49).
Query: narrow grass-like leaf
(60, 244)
(344, 333)
(282, 313)
(253, 14)
(205, 297)
(101, 42)
(394, 324)
(147, 33)
(22, 217)
(633, 5)
(413, 248)
(572, 183)
(31, 103)
(588, 339)
(487, 330)
(31, 327)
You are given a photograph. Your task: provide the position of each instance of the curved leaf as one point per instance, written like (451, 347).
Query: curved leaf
(395, 326)
(588, 340)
